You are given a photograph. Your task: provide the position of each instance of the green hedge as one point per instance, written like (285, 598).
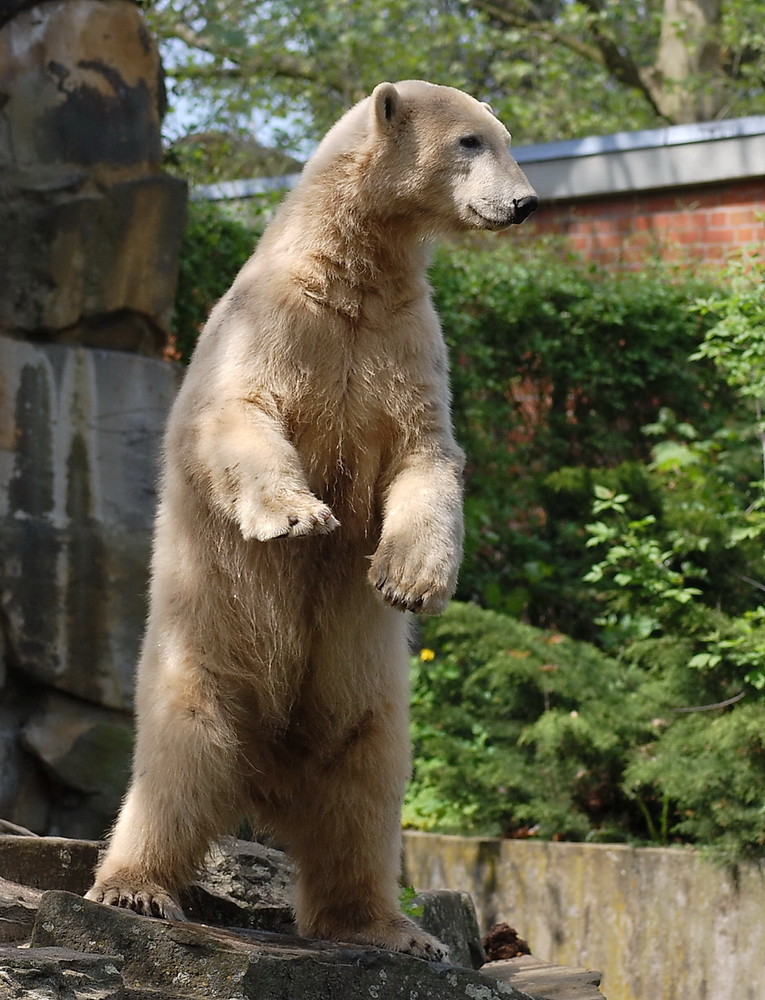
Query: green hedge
(557, 364)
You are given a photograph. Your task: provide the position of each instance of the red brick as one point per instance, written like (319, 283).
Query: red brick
(741, 216)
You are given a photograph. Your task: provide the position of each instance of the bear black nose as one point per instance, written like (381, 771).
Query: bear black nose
(524, 208)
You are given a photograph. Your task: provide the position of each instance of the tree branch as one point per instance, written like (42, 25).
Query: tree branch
(604, 52)
(246, 63)
(717, 704)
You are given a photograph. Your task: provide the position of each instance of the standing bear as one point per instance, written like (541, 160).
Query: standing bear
(311, 493)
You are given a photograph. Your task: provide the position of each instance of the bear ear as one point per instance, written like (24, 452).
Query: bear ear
(386, 102)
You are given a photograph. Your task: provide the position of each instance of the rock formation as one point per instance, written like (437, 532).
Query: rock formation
(240, 944)
(90, 232)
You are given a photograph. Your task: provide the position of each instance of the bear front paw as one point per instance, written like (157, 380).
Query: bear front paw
(146, 898)
(287, 516)
(412, 581)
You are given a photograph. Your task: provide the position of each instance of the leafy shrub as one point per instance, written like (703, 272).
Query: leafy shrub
(517, 730)
(521, 732)
(681, 593)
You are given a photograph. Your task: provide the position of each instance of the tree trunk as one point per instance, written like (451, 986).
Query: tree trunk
(687, 82)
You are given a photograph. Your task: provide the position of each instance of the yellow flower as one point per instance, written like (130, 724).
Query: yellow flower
(427, 654)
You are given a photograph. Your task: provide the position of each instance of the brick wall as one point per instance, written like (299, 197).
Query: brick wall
(682, 224)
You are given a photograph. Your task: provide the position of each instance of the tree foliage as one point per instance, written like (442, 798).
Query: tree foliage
(552, 70)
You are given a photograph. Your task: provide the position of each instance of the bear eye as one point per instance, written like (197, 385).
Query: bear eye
(470, 142)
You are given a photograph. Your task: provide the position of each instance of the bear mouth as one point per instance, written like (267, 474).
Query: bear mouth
(487, 222)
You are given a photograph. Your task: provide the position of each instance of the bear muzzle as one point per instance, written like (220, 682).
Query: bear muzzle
(513, 213)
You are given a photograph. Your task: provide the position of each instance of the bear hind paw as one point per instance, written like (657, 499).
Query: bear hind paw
(401, 934)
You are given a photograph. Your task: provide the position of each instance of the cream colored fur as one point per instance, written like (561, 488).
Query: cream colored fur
(311, 492)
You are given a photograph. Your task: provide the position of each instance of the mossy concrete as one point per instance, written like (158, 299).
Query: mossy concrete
(661, 923)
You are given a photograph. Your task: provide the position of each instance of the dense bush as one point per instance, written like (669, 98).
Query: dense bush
(518, 731)
(214, 248)
(681, 591)
(666, 740)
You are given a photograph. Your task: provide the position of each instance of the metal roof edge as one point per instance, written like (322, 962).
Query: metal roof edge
(620, 142)
(248, 188)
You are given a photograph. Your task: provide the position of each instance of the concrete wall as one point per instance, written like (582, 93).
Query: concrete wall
(661, 924)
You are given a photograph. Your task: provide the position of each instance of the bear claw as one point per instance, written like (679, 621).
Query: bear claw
(147, 899)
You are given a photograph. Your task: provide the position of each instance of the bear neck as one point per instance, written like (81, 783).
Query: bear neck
(350, 245)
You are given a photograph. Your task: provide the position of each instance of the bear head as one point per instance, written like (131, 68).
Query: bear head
(430, 153)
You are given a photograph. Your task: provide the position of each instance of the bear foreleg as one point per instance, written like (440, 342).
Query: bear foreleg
(256, 476)
(420, 549)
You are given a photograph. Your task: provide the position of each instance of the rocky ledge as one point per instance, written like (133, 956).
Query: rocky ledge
(240, 943)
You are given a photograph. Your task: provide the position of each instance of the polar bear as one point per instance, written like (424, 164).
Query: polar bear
(311, 493)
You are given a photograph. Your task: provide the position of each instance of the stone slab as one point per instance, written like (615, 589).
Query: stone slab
(83, 87)
(450, 916)
(57, 974)
(249, 965)
(97, 267)
(49, 862)
(18, 909)
(544, 981)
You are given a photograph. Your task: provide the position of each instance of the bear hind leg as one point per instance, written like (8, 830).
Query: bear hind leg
(346, 842)
(182, 797)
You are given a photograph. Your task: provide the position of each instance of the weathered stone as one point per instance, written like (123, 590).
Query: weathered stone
(49, 862)
(248, 964)
(96, 266)
(82, 89)
(451, 917)
(87, 748)
(59, 974)
(90, 229)
(243, 884)
(18, 909)
(79, 432)
(24, 796)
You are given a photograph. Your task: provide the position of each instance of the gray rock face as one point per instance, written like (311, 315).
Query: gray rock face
(18, 908)
(452, 918)
(90, 232)
(59, 974)
(79, 434)
(244, 884)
